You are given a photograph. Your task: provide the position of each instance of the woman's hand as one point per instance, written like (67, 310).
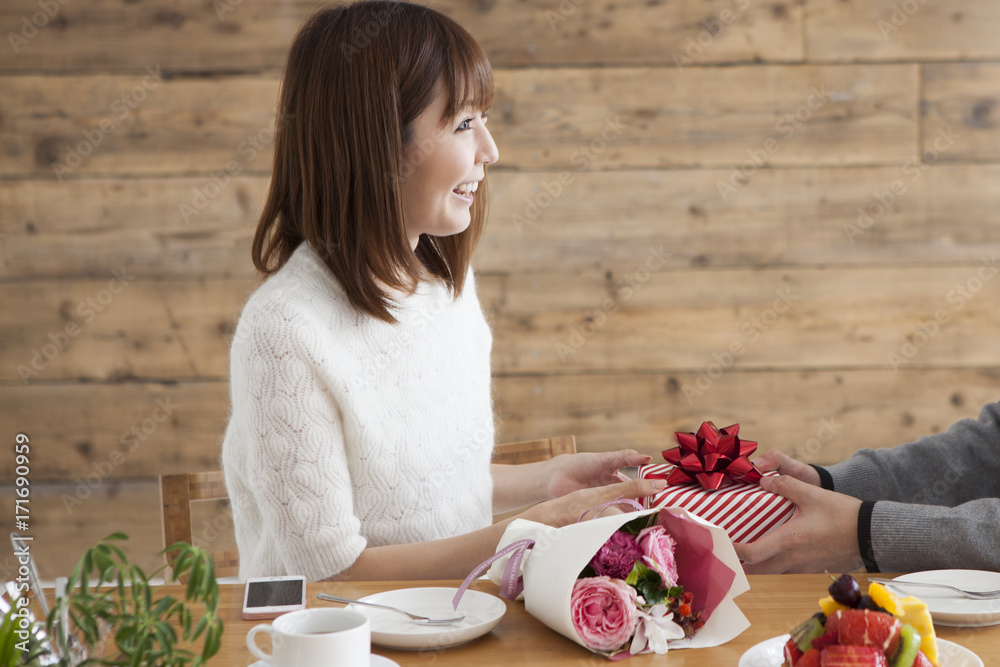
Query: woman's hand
(516, 486)
(783, 463)
(822, 534)
(572, 472)
(569, 507)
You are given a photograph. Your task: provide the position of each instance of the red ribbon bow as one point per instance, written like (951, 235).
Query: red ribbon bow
(710, 457)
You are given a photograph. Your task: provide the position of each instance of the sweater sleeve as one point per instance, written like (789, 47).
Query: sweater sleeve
(951, 468)
(908, 537)
(287, 444)
(932, 503)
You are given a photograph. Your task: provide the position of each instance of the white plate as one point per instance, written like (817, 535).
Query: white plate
(377, 661)
(390, 629)
(770, 653)
(950, 608)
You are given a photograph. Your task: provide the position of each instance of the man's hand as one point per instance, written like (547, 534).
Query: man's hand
(778, 461)
(822, 534)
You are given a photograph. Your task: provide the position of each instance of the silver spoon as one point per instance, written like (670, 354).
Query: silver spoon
(975, 595)
(416, 617)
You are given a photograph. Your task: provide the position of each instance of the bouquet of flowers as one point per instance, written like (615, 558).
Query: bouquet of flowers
(629, 593)
(626, 584)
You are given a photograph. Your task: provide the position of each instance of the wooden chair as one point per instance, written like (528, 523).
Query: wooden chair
(177, 492)
(531, 451)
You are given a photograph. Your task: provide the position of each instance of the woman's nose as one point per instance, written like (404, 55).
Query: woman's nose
(488, 153)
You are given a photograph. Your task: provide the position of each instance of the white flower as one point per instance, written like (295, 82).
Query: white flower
(655, 627)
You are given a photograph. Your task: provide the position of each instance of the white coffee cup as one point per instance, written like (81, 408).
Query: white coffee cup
(316, 638)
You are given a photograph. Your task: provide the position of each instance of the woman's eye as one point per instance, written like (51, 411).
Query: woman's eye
(466, 124)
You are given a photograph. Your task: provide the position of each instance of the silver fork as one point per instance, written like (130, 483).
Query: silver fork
(416, 617)
(975, 595)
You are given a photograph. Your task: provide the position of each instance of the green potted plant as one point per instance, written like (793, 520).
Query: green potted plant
(109, 598)
(15, 649)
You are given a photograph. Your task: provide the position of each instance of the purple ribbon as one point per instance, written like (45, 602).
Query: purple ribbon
(617, 501)
(511, 583)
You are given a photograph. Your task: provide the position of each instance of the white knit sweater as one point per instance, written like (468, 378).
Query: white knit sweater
(349, 432)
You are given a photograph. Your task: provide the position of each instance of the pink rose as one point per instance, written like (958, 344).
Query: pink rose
(603, 612)
(617, 556)
(657, 550)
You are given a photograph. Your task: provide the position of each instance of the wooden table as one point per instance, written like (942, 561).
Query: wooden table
(774, 604)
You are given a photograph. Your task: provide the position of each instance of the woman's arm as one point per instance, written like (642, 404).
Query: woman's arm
(516, 486)
(455, 557)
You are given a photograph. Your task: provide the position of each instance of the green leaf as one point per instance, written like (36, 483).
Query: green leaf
(198, 629)
(633, 576)
(119, 554)
(162, 635)
(105, 566)
(648, 583)
(635, 526)
(194, 582)
(86, 565)
(88, 625)
(213, 639)
(161, 607)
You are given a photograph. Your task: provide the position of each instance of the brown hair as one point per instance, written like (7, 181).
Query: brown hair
(356, 79)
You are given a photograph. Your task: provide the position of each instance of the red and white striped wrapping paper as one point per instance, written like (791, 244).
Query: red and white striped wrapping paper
(745, 511)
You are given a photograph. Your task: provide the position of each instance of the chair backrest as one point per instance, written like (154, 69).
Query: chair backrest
(531, 451)
(177, 492)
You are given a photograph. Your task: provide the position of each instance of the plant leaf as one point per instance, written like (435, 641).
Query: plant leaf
(648, 583)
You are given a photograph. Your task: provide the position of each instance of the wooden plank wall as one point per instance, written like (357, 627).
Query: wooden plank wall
(780, 213)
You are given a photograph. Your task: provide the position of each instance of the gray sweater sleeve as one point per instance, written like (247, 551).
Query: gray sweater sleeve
(933, 503)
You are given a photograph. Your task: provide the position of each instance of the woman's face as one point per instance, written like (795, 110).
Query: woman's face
(443, 166)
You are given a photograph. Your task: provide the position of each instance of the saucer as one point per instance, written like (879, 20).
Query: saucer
(377, 661)
(482, 612)
(950, 608)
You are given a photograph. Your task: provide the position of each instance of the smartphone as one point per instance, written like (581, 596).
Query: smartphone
(270, 597)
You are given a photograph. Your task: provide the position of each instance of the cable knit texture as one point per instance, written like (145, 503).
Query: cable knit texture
(347, 431)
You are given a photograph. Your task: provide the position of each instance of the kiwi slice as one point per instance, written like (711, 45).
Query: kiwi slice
(908, 647)
(808, 631)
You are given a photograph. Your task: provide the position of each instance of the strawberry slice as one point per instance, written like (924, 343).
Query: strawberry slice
(864, 627)
(811, 658)
(852, 656)
(922, 661)
(830, 634)
(792, 653)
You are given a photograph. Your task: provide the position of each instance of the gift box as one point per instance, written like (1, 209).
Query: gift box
(709, 475)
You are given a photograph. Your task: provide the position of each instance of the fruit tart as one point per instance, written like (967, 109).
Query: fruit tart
(878, 629)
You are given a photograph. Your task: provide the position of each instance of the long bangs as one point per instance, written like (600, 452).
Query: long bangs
(468, 73)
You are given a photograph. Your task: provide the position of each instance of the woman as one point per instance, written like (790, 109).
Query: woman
(362, 423)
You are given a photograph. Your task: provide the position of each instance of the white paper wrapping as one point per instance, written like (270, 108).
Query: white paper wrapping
(552, 566)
